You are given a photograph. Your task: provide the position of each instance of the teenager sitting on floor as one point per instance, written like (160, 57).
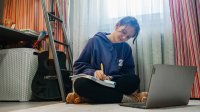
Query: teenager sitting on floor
(111, 50)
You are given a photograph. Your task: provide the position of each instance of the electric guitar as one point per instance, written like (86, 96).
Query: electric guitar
(45, 83)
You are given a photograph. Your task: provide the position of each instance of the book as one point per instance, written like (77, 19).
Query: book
(29, 32)
(107, 83)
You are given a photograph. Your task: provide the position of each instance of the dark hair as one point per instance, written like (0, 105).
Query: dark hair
(132, 21)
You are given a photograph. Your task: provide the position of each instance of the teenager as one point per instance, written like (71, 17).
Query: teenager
(111, 51)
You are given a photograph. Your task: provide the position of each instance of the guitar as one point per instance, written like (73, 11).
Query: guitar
(45, 83)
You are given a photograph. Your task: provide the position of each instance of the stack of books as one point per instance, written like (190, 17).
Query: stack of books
(29, 32)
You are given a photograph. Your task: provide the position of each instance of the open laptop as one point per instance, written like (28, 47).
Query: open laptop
(170, 85)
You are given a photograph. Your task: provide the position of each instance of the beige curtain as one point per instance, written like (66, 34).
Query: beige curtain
(155, 41)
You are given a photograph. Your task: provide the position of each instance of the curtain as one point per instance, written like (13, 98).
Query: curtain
(28, 14)
(185, 18)
(1, 12)
(154, 44)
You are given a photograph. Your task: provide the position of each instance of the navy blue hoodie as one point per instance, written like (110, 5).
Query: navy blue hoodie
(116, 57)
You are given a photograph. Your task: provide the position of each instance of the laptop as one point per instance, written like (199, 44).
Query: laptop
(170, 85)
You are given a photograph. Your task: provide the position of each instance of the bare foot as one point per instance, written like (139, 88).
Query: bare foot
(74, 98)
(141, 97)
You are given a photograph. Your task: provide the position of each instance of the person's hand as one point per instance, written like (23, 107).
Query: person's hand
(100, 75)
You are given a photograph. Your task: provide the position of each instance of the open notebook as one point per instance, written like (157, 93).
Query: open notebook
(107, 83)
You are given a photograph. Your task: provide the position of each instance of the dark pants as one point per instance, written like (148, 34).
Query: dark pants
(101, 94)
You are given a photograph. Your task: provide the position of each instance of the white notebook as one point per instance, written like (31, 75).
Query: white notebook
(107, 83)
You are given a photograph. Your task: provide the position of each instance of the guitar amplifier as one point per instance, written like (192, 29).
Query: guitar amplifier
(17, 69)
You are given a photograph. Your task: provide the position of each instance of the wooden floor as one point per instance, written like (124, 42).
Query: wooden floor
(194, 106)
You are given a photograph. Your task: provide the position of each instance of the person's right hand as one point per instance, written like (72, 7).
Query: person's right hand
(100, 75)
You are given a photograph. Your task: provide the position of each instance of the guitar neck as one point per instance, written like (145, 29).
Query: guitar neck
(49, 49)
(50, 53)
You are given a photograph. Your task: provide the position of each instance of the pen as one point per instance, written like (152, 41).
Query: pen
(102, 67)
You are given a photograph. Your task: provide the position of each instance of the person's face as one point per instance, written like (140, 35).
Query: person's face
(123, 33)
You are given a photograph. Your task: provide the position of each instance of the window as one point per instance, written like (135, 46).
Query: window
(120, 8)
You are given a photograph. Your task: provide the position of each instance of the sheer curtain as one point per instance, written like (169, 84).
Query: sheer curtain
(155, 42)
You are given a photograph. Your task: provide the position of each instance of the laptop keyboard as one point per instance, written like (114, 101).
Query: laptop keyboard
(135, 103)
